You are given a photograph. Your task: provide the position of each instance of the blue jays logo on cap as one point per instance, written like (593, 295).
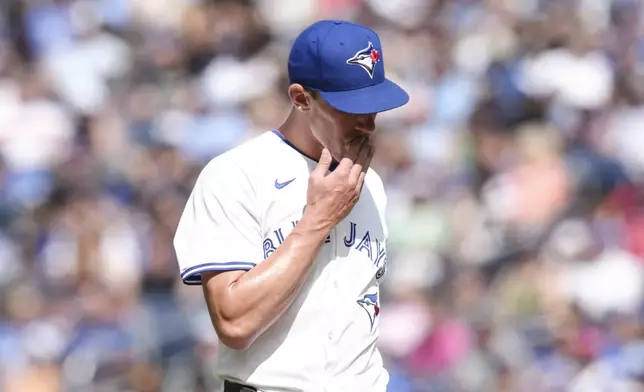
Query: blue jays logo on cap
(369, 303)
(330, 57)
(366, 58)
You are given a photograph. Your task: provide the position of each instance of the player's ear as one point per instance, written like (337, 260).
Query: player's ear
(301, 99)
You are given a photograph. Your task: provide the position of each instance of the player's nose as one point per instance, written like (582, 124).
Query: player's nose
(366, 123)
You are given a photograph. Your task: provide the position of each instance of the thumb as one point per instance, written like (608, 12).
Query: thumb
(324, 163)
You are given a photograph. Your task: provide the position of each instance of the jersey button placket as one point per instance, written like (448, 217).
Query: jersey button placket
(332, 289)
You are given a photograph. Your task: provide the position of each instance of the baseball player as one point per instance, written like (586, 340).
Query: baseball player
(286, 232)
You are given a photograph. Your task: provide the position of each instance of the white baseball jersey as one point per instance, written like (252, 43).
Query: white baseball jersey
(245, 203)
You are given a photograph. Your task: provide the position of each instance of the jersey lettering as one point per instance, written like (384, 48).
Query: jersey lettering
(365, 243)
(373, 249)
(352, 236)
(269, 247)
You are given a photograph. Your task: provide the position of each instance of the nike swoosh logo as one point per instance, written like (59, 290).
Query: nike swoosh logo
(280, 185)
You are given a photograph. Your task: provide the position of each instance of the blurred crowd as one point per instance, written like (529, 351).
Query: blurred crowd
(515, 178)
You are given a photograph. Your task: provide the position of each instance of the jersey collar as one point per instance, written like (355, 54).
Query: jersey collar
(334, 164)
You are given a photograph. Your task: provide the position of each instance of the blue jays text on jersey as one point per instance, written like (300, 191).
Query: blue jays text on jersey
(358, 238)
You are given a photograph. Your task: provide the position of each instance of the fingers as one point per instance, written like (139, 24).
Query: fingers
(361, 163)
(370, 154)
(350, 156)
(365, 167)
(323, 164)
(354, 166)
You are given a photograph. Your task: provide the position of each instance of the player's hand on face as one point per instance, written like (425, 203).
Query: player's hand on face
(332, 196)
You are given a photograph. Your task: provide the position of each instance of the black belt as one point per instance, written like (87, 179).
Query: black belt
(230, 386)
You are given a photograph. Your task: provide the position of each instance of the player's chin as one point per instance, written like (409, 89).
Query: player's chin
(357, 139)
(337, 157)
(337, 151)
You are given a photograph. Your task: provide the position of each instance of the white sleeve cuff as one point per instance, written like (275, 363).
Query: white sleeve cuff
(192, 275)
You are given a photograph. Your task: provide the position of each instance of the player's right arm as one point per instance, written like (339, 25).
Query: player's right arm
(244, 294)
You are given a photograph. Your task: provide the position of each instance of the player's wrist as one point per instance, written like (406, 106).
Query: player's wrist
(315, 224)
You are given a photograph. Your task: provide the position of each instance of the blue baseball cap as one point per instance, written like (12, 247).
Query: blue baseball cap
(344, 63)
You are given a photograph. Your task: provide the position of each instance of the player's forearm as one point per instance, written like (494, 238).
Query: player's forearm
(260, 296)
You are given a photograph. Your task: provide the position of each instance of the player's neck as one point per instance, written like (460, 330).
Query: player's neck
(297, 131)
